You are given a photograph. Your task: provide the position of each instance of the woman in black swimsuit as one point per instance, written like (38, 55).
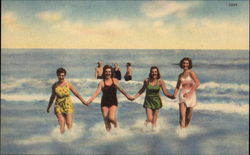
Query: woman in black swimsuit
(117, 72)
(109, 103)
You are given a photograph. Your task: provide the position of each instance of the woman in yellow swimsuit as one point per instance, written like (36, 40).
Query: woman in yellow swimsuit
(64, 107)
(186, 86)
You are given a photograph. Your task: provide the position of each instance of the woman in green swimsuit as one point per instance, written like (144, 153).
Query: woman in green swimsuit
(64, 107)
(152, 102)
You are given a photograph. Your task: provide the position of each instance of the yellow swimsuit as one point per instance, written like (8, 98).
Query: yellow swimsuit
(63, 102)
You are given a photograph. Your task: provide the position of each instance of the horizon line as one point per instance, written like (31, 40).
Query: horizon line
(120, 49)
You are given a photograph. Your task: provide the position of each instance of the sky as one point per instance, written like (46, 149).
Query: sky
(125, 24)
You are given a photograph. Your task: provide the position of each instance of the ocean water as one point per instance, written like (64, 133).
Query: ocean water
(220, 122)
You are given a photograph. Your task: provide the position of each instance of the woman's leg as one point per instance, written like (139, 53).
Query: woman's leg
(189, 114)
(112, 115)
(155, 117)
(61, 121)
(69, 120)
(105, 111)
(149, 114)
(182, 110)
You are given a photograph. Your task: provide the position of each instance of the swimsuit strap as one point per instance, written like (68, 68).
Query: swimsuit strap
(111, 84)
(67, 84)
(152, 85)
(104, 82)
(148, 81)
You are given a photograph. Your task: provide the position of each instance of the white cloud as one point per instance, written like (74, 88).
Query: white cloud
(206, 26)
(160, 9)
(9, 18)
(11, 22)
(115, 24)
(140, 33)
(108, 28)
(68, 27)
(50, 16)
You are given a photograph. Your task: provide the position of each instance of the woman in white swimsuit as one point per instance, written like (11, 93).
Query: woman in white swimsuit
(187, 84)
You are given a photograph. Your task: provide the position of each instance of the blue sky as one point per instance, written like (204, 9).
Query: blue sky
(125, 24)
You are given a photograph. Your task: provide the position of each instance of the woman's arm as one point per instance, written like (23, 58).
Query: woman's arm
(52, 98)
(122, 90)
(196, 84)
(142, 89)
(165, 91)
(97, 92)
(96, 73)
(75, 92)
(177, 86)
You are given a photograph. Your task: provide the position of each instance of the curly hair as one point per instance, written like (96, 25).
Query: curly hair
(154, 67)
(189, 60)
(105, 68)
(61, 70)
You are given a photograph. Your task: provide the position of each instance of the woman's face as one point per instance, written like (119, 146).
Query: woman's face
(107, 73)
(154, 73)
(185, 64)
(61, 77)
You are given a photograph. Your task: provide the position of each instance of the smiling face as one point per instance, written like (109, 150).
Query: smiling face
(61, 77)
(185, 64)
(108, 73)
(154, 73)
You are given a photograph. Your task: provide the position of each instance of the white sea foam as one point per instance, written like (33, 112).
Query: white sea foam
(139, 126)
(34, 140)
(92, 83)
(183, 133)
(73, 134)
(226, 107)
(208, 90)
(24, 97)
(100, 135)
(214, 85)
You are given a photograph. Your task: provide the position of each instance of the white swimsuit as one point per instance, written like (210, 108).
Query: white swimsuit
(191, 101)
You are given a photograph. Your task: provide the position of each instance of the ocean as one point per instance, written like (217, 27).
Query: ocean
(220, 123)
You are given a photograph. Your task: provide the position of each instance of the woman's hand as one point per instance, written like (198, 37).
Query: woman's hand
(88, 102)
(47, 110)
(131, 98)
(188, 95)
(172, 97)
(85, 103)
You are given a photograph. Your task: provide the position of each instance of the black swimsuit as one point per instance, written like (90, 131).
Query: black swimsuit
(109, 97)
(127, 77)
(118, 75)
(99, 77)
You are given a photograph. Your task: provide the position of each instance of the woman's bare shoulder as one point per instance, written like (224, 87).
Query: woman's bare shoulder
(115, 80)
(101, 82)
(55, 85)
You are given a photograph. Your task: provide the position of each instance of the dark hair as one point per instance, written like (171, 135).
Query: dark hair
(128, 64)
(154, 67)
(107, 67)
(189, 60)
(61, 70)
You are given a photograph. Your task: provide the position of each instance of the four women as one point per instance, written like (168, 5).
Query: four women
(186, 86)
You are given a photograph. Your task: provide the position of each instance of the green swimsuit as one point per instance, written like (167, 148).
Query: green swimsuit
(152, 98)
